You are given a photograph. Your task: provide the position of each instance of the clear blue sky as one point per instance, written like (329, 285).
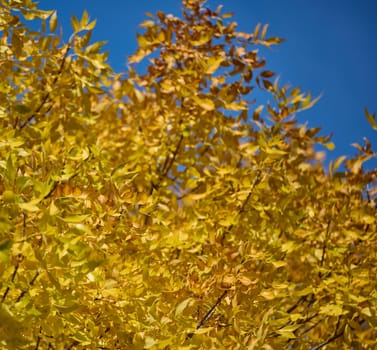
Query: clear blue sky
(331, 49)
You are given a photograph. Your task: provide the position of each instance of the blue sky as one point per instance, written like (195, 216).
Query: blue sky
(330, 50)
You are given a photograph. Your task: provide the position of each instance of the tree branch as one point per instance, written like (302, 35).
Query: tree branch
(324, 247)
(208, 315)
(22, 294)
(11, 279)
(19, 259)
(170, 161)
(332, 338)
(328, 341)
(243, 206)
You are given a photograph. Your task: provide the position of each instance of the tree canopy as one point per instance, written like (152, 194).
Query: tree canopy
(173, 206)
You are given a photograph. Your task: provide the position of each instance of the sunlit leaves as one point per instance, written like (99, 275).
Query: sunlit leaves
(83, 23)
(171, 208)
(205, 103)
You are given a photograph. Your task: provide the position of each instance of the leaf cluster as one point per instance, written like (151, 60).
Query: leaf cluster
(167, 209)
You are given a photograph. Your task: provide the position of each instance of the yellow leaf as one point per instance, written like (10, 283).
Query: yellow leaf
(287, 332)
(264, 31)
(94, 48)
(182, 306)
(366, 311)
(332, 310)
(30, 206)
(53, 21)
(278, 264)
(9, 196)
(338, 162)
(67, 308)
(371, 119)
(213, 64)
(269, 294)
(246, 281)
(227, 15)
(84, 19)
(205, 103)
(203, 330)
(147, 24)
(149, 342)
(81, 338)
(235, 106)
(298, 98)
(368, 219)
(228, 221)
(205, 37)
(256, 31)
(75, 24)
(193, 172)
(74, 218)
(142, 41)
(330, 146)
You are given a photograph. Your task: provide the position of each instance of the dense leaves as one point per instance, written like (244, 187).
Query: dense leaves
(166, 208)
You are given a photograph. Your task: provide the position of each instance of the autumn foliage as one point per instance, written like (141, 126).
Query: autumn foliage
(171, 206)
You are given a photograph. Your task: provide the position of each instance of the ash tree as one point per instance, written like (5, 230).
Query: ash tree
(168, 207)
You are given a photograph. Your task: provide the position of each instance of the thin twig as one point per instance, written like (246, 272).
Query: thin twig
(328, 341)
(37, 344)
(306, 330)
(324, 247)
(325, 244)
(24, 224)
(332, 338)
(22, 294)
(168, 163)
(47, 94)
(12, 280)
(243, 206)
(208, 315)
(299, 301)
(19, 259)
(171, 160)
